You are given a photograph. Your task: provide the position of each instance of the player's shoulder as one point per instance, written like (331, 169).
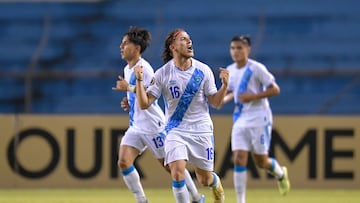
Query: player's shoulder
(163, 70)
(203, 67)
(145, 64)
(256, 64)
(199, 64)
(165, 67)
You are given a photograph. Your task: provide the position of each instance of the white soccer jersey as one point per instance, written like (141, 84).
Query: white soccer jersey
(151, 120)
(185, 94)
(252, 78)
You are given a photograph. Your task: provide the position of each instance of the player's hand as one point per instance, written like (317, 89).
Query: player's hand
(121, 85)
(125, 104)
(224, 76)
(139, 72)
(246, 97)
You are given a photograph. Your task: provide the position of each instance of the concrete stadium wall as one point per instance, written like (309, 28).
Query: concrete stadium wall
(58, 151)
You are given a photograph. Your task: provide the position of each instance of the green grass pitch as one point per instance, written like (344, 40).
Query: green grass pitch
(122, 195)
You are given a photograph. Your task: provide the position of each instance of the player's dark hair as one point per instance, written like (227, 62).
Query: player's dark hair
(245, 39)
(167, 55)
(139, 36)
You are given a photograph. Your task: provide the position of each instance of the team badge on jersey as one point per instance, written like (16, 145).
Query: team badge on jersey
(197, 79)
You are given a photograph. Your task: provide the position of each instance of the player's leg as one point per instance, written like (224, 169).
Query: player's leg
(240, 145)
(212, 180)
(261, 142)
(195, 195)
(158, 151)
(240, 174)
(201, 154)
(129, 150)
(179, 188)
(176, 156)
(127, 155)
(274, 168)
(270, 164)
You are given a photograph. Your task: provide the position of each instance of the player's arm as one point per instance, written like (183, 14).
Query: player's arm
(228, 97)
(144, 99)
(216, 100)
(271, 90)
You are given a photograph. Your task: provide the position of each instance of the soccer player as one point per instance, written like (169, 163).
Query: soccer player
(250, 85)
(146, 129)
(187, 86)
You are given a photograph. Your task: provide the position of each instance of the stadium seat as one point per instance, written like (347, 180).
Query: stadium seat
(289, 37)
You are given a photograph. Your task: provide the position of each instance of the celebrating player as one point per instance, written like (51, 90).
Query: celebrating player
(187, 86)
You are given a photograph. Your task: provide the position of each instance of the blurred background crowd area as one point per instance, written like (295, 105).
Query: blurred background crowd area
(63, 56)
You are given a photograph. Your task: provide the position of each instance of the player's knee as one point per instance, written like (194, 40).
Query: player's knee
(240, 159)
(177, 175)
(124, 164)
(238, 162)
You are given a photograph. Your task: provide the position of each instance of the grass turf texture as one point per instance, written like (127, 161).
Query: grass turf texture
(165, 196)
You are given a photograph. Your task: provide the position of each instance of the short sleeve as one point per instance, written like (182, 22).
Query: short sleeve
(231, 85)
(155, 85)
(264, 76)
(209, 83)
(148, 75)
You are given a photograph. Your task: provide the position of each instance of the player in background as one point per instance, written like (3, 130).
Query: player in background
(187, 86)
(146, 127)
(250, 86)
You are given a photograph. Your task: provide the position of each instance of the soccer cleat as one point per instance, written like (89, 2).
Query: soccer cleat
(202, 199)
(219, 195)
(284, 183)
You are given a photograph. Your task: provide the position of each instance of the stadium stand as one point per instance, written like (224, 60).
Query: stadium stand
(312, 47)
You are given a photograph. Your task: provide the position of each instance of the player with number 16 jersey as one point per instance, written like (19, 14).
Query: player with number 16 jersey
(188, 87)
(185, 95)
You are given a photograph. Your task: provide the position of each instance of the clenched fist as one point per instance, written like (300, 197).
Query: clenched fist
(139, 73)
(224, 76)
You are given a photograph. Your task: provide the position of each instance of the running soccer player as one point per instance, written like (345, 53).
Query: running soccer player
(187, 86)
(250, 85)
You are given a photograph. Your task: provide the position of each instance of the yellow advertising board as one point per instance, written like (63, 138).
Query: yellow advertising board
(58, 151)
